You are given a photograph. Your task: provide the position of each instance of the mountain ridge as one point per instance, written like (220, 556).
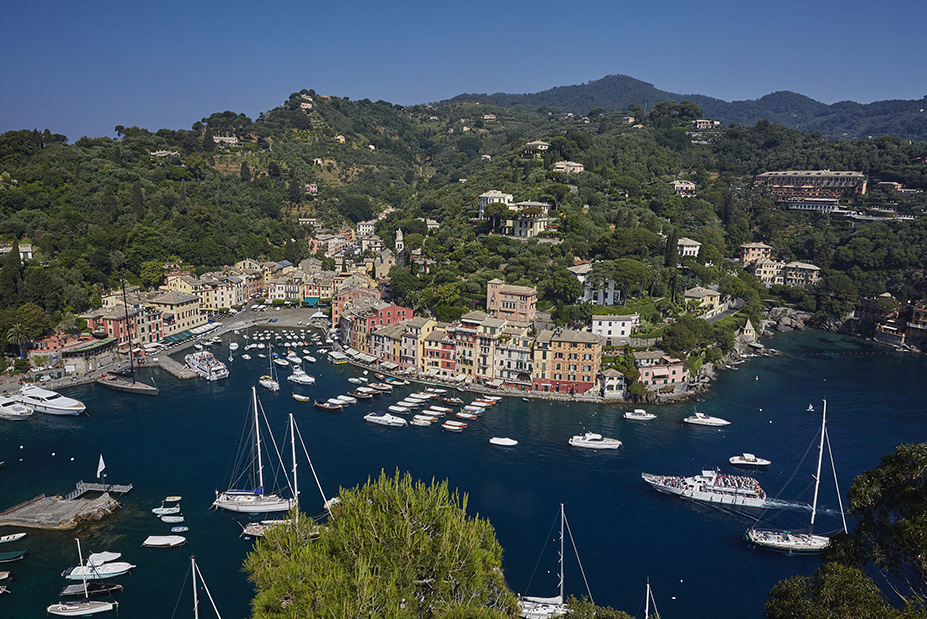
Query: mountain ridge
(842, 120)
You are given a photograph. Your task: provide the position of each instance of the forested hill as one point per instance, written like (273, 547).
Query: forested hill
(844, 120)
(102, 210)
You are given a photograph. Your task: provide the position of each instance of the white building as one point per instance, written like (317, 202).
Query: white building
(688, 248)
(616, 330)
(597, 290)
(492, 197)
(684, 188)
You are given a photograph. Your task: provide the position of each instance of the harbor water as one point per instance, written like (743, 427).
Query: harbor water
(185, 441)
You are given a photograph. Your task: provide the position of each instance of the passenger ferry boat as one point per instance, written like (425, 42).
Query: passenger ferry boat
(711, 487)
(206, 365)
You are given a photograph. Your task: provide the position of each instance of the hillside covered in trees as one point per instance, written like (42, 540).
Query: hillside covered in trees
(101, 209)
(846, 119)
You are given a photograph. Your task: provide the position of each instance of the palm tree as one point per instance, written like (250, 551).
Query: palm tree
(17, 335)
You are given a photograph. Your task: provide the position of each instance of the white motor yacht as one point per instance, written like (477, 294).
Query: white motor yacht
(301, 378)
(746, 459)
(13, 410)
(48, 402)
(701, 419)
(385, 419)
(639, 414)
(591, 440)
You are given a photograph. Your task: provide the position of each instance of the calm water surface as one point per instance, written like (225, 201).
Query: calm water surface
(185, 441)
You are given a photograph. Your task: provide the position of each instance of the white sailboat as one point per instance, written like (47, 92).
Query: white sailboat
(647, 602)
(194, 570)
(255, 500)
(269, 381)
(531, 607)
(802, 542)
(84, 607)
(257, 529)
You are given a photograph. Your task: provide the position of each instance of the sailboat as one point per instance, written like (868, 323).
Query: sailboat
(269, 380)
(530, 607)
(257, 529)
(253, 500)
(647, 602)
(84, 607)
(802, 542)
(120, 382)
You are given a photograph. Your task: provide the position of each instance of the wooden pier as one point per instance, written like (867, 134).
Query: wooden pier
(83, 487)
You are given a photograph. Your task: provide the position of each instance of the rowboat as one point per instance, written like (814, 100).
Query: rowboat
(13, 555)
(12, 538)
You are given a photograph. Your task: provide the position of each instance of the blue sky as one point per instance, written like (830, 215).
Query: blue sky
(80, 68)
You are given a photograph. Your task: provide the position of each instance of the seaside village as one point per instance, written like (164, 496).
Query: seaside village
(508, 345)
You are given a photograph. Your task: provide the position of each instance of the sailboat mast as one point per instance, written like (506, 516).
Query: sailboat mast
(196, 601)
(125, 303)
(293, 454)
(257, 441)
(647, 601)
(562, 518)
(817, 477)
(83, 573)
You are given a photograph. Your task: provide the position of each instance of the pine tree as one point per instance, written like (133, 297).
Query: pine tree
(11, 278)
(245, 172)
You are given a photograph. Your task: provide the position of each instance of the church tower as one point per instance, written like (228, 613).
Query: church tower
(399, 243)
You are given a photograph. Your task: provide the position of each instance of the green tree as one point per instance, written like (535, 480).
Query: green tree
(16, 335)
(890, 507)
(11, 277)
(833, 591)
(393, 549)
(584, 608)
(33, 319)
(151, 272)
(245, 171)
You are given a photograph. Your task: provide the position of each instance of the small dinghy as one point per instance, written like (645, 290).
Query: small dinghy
(164, 541)
(171, 519)
(13, 555)
(502, 441)
(93, 588)
(15, 537)
(179, 529)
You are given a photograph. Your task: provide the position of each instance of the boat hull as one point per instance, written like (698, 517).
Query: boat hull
(689, 491)
(786, 541)
(82, 608)
(120, 383)
(251, 503)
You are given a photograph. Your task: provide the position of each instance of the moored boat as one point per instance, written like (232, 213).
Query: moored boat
(327, 406)
(503, 441)
(48, 402)
(591, 440)
(256, 500)
(205, 364)
(639, 414)
(14, 411)
(15, 537)
(164, 541)
(385, 419)
(748, 459)
(701, 419)
(454, 426)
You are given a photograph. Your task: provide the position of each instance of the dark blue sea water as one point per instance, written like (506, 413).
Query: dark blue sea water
(184, 442)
